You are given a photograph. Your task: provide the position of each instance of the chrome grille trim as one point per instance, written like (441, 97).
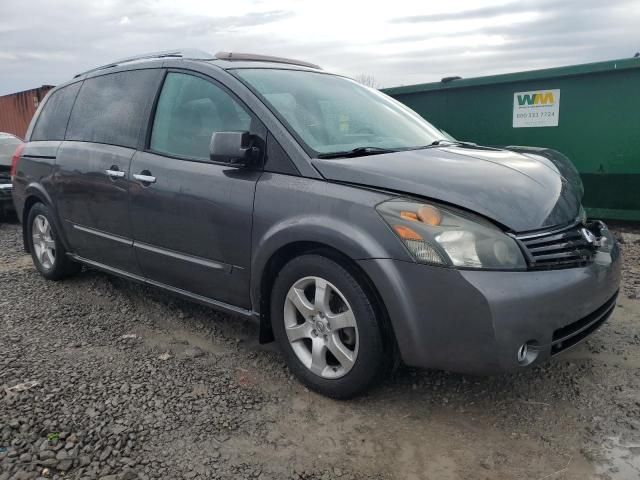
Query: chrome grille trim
(568, 247)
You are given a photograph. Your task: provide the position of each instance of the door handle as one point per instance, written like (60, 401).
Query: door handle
(115, 173)
(144, 178)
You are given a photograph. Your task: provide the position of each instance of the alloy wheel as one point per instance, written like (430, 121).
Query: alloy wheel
(44, 246)
(321, 327)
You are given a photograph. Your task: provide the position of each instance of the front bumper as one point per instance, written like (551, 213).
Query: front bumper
(473, 321)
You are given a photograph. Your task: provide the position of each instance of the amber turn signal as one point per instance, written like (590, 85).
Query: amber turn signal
(411, 216)
(406, 233)
(425, 214)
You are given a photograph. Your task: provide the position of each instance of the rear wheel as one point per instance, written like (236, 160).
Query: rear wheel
(328, 328)
(47, 251)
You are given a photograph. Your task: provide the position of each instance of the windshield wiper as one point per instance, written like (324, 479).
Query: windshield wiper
(445, 141)
(357, 152)
(442, 141)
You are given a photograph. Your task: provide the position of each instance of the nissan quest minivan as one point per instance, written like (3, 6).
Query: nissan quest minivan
(355, 232)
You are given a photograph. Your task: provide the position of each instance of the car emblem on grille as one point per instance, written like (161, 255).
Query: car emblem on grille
(588, 236)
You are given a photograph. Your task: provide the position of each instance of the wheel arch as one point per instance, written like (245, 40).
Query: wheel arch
(292, 250)
(35, 193)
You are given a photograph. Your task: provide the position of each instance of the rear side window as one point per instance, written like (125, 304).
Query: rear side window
(189, 110)
(52, 121)
(112, 108)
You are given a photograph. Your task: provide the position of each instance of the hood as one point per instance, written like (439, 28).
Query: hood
(551, 157)
(521, 192)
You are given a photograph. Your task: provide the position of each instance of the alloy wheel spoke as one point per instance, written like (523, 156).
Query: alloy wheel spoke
(49, 243)
(342, 353)
(318, 356)
(342, 320)
(38, 251)
(323, 291)
(49, 256)
(298, 332)
(298, 298)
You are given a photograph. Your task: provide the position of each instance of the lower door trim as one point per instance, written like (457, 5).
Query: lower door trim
(225, 267)
(100, 233)
(225, 307)
(184, 257)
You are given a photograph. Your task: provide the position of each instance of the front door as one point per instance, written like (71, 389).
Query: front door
(191, 218)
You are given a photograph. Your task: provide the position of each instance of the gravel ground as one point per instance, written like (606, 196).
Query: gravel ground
(101, 378)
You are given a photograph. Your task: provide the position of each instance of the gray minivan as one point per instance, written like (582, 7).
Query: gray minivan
(345, 223)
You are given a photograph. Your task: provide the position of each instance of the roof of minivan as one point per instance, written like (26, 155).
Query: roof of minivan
(224, 60)
(230, 65)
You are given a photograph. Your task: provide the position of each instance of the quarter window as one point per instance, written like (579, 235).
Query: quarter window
(52, 121)
(189, 110)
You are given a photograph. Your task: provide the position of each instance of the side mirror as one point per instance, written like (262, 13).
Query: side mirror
(231, 147)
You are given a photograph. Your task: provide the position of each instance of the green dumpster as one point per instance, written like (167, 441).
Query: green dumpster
(590, 112)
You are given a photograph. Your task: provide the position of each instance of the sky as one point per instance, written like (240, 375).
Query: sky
(400, 42)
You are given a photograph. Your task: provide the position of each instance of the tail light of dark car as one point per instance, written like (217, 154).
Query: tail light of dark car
(14, 160)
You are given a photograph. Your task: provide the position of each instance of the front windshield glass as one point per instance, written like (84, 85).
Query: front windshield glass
(333, 114)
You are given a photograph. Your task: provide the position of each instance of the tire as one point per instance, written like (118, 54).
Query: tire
(47, 251)
(364, 354)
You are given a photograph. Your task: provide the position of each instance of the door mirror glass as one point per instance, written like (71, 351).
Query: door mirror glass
(231, 147)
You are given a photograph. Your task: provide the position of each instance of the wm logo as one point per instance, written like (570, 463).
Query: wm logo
(538, 98)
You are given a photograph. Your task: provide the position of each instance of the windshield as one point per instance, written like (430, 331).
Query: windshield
(332, 114)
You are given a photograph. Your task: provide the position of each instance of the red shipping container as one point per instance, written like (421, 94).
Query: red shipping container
(17, 109)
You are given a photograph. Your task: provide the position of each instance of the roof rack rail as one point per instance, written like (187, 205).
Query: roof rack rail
(189, 53)
(251, 57)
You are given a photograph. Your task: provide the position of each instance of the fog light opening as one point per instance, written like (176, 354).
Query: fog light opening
(527, 353)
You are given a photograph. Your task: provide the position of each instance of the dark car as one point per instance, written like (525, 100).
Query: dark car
(344, 222)
(8, 145)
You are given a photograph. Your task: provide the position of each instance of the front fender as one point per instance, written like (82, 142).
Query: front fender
(289, 211)
(351, 240)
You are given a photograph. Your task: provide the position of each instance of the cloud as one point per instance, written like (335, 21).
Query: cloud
(543, 7)
(475, 13)
(41, 43)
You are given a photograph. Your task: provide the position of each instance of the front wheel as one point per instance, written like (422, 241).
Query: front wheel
(328, 328)
(47, 251)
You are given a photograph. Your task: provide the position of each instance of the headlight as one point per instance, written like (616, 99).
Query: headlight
(445, 236)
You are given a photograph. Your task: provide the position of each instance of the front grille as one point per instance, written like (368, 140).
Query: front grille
(573, 333)
(573, 246)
